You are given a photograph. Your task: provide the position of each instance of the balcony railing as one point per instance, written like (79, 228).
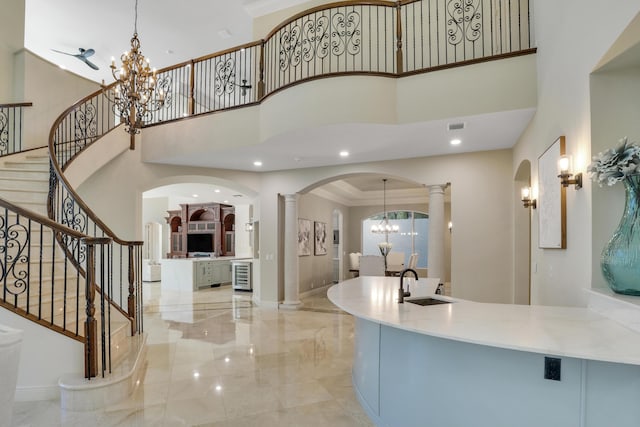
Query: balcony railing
(11, 127)
(374, 37)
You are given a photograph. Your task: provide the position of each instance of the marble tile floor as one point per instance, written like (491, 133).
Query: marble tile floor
(215, 359)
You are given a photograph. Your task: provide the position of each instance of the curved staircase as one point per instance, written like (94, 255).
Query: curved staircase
(55, 291)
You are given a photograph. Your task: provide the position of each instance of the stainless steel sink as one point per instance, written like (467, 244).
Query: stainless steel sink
(427, 301)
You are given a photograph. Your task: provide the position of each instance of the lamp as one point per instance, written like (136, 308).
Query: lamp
(135, 84)
(564, 164)
(248, 226)
(525, 196)
(384, 227)
(450, 226)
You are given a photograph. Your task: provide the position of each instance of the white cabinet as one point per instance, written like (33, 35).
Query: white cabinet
(192, 274)
(211, 272)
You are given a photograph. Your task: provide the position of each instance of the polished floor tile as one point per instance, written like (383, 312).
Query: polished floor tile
(216, 359)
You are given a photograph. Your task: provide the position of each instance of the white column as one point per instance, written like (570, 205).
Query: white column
(435, 245)
(291, 295)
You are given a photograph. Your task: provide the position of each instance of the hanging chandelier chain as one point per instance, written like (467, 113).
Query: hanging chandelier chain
(135, 19)
(384, 226)
(136, 91)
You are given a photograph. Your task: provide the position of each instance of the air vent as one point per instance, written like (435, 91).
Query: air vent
(237, 195)
(456, 126)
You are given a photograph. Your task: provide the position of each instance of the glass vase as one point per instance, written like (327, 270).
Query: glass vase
(621, 256)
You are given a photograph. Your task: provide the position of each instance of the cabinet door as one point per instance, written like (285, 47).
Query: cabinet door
(204, 274)
(226, 272)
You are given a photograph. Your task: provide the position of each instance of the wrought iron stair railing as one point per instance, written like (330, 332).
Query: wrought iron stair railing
(38, 282)
(74, 130)
(11, 127)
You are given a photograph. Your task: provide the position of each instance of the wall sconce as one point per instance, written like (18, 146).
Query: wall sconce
(248, 226)
(564, 164)
(450, 226)
(525, 196)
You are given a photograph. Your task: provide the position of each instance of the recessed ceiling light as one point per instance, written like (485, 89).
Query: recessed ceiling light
(225, 201)
(195, 196)
(455, 142)
(344, 153)
(216, 190)
(257, 163)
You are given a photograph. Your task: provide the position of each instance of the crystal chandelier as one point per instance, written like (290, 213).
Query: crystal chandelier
(384, 227)
(135, 84)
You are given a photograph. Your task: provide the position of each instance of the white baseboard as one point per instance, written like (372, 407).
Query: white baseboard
(315, 291)
(31, 394)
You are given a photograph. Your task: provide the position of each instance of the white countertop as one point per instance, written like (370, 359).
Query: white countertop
(561, 331)
(205, 258)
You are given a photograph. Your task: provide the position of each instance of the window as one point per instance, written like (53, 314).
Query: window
(412, 237)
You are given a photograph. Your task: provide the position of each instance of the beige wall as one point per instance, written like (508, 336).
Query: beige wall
(11, 41)
(263, 25)
(614, 114)
(317, 271)
(568, 50)
(50, 89)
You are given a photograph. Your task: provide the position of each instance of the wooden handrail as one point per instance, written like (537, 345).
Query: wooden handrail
(18, 104)
(329, 6)
(63, 179)
(41, 219)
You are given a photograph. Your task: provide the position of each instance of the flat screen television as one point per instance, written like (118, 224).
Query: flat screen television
(199, 242)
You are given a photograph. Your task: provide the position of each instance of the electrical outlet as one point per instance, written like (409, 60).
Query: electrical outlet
(552, 368)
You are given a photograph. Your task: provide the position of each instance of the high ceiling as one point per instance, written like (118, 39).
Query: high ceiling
(171, 32)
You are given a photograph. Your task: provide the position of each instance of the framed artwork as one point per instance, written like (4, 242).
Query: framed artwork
(552, 215)
(304, 237)
(320, 229)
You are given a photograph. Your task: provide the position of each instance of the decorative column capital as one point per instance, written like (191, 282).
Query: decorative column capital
(437, 189)
(291, 197)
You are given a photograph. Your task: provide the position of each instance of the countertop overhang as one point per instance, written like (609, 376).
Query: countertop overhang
(561, 331)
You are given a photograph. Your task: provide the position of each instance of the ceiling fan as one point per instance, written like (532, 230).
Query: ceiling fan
(82, 56)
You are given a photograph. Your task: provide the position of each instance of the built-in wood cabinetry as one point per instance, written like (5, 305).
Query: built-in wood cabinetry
(203, 228)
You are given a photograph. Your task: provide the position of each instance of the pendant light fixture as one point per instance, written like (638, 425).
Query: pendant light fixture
(384, 227)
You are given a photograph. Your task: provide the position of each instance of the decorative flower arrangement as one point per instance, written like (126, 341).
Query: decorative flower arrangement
(385, 248)
(615, 164)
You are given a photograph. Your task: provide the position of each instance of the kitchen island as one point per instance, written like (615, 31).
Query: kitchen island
(191, 274)
(463, 363)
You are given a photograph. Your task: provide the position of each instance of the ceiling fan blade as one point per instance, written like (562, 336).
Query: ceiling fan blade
(64, 53)
(89, 63)
(87, 52)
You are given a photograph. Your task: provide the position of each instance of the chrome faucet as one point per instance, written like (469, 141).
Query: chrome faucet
(401, 292)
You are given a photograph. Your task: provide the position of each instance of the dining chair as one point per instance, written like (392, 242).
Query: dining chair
(395, 261)
(371, 265)
(413, 261)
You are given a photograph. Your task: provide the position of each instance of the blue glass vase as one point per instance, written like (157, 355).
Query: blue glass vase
(621, 256)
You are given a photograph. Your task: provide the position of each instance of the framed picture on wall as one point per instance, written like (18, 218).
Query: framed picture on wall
(552, 215)
(304, 237)
(320, 229)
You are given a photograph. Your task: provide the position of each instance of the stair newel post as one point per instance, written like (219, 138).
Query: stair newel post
(261, 81)
(192, 86)
(131, 300)
(90, 324)
(399, 59)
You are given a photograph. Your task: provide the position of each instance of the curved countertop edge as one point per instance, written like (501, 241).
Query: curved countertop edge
(561, 331)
